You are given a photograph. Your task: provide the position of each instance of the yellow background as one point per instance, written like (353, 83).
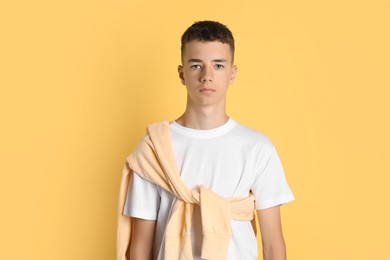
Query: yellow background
(80, 80)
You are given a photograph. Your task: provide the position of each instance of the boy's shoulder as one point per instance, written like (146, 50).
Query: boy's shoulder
(253, 136)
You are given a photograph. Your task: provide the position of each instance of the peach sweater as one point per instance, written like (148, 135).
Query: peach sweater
(153, 160)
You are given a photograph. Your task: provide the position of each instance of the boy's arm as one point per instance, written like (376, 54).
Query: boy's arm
(274, 247)
(142, 239)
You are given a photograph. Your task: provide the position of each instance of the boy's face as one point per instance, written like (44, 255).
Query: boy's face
(207, 71)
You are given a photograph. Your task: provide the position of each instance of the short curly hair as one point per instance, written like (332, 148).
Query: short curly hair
(208, 31)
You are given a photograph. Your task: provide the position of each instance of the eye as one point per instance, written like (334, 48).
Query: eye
(196, 66)
(219, 66)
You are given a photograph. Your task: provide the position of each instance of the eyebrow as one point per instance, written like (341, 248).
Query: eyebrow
(199, 60)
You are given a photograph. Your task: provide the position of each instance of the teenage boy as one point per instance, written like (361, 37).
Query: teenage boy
(189, 177)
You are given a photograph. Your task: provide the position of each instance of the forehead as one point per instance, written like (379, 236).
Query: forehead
(206, 50)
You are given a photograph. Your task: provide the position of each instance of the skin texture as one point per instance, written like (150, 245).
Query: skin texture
(274, 247)
(142, 240)
(207, 71)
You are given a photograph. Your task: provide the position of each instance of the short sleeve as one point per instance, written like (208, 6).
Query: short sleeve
(270, 187)
(143, 199)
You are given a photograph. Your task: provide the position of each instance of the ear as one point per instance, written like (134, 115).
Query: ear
(233, 75)
(181, 74)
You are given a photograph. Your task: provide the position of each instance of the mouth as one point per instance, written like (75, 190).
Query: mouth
(207, 90)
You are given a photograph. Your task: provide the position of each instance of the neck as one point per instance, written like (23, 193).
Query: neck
(203, 118)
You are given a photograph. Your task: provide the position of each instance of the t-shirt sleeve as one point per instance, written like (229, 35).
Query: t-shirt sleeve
(143, 199)
(270, 187)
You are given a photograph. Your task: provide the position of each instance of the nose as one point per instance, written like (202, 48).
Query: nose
(206, 75)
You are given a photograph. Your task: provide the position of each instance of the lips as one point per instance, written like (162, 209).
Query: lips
(207, 90)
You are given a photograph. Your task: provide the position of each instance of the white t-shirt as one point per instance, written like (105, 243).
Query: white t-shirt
(231, 160)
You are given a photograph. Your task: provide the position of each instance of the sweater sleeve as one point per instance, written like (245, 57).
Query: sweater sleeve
(143, 199)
